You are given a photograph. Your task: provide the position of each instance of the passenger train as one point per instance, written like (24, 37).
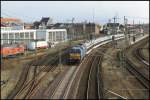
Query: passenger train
(77, 53)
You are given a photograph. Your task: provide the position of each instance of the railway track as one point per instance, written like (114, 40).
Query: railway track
(37, 79)
(63, 86)
(50, 91)
(49, 66)
(72, 89)
(142, 53)
(94, 88)
(28, 86)
(140, 57)
(91, 83)
(60, 88)
(136, 66)
(138, 53)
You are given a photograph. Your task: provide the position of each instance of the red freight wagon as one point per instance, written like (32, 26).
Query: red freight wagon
(12, 49)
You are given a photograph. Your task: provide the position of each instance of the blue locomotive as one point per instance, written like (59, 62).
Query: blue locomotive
(76, 54)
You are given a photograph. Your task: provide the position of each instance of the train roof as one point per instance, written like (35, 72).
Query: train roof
(78, 46)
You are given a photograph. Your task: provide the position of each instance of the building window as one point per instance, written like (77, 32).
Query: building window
(31, 35)
(61, 35)
(64, 35)
(17, 37)
(5, 38)
(50, 36)
(27, 35)
(54, 36)
(22, 35)
(58, 35)
(11, 38)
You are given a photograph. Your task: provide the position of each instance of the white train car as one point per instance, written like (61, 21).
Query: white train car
(38, 45)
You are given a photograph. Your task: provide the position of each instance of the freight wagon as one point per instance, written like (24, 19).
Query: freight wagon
(38, 45)
(12, 50)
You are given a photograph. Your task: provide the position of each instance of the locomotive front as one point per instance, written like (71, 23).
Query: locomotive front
(76, 54)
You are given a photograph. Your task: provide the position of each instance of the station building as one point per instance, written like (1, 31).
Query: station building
(26, 36)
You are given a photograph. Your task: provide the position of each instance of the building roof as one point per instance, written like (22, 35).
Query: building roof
(44, 19)
(112, 24)
(5, 20)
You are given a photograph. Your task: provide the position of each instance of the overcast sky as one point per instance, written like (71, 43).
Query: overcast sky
(62, 11)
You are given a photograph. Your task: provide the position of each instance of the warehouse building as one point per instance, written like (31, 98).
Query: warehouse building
(25, 36)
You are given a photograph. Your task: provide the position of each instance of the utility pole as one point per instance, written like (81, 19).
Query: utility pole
(125, 32)
(143, 28)
(114, 24)
(71, 31)
(139, 26)
(114, 32)
(123, 59)
(133, 28)
(114, 27)
(73, 27)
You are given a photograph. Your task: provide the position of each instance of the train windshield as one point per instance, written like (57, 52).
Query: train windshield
(75, 51)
